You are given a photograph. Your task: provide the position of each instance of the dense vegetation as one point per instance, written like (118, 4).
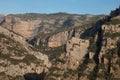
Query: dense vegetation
(113, 22)
(112, 35)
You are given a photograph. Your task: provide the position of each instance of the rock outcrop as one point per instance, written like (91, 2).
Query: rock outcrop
(60, 38)
(76, 50)
(111, 28)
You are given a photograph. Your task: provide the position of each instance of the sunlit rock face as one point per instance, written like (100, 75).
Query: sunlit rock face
(26, 29)
(54, 44)
(76, 50)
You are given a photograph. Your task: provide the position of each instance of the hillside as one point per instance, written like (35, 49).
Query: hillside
(18, 58)
(60, 46)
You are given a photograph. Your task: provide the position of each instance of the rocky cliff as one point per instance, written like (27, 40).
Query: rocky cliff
(60, 38)
(76, 49)
(18, 58)
(103, 50)
(26, 29)
(94, 57)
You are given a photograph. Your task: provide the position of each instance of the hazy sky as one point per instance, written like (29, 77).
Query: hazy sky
(53, 6)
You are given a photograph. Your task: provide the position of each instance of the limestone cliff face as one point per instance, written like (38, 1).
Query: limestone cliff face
(26, 29)
(60, 38)
(76, 50)
(54, 44)
(109, 54)
(111, 28)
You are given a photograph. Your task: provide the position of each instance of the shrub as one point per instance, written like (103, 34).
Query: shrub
(18, 78)
(118, 48)
(92, 47)
(29, 58)
(54, 53)
(112, 35)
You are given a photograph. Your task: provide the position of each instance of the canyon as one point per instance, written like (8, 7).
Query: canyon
(60, 46)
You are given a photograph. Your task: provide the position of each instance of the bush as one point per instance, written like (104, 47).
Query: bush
(29, 58)
(110, 52)
(112, 35)
(18, 78)
(92, 76)
(92, 47)
(118, 48)
(118, 61)
(54, 53)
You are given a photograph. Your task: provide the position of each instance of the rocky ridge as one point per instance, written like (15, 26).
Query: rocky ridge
(31, 24)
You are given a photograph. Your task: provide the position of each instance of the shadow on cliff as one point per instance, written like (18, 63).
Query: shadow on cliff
(97, 28)
(90, 32)
(99, 46)
(35, 76)
(82, 66)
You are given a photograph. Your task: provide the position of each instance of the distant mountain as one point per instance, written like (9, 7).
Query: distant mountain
(31, 24)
